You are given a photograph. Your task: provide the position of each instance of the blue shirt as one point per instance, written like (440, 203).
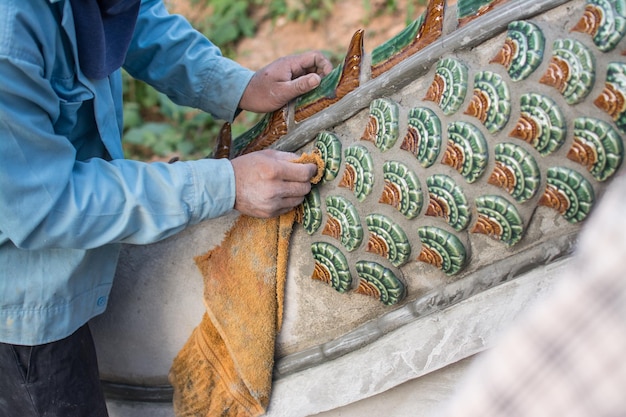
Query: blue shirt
(68, 199)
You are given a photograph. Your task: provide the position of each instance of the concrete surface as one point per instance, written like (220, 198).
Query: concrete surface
(408, 358)
(418, 397)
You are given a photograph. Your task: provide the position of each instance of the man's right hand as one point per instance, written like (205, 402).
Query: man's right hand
(269, 184)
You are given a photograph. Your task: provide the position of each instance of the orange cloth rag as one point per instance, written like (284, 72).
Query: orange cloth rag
(225, 367)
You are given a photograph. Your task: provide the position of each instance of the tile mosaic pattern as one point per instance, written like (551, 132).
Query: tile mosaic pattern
(426, 180)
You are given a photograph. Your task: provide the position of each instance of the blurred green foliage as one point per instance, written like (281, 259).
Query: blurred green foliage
(156, 128)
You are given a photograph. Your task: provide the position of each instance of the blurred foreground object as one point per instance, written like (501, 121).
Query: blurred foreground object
(566, 357)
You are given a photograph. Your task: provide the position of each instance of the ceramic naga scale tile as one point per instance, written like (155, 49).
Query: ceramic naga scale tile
(499, 219)
(442, 249)
(541, 123)
(402, 189)
(569, 193)
(613, 97)
(466, 151)
(423, 137)
(343, 222)
(516, 171)
(329, 147)
(605, 21)
(309, 213)
(523, 49)
(571, 70)
(597, 146)
(331, 266)
(449, 85)
(382, 127)
(358, 174)
(387, 239)
(491, 102)
(447, 200)
(379, 282)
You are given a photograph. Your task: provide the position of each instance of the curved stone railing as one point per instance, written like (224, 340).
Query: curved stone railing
(522, 143)
(471, 160)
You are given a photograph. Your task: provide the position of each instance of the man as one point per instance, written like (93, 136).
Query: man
(68, 199)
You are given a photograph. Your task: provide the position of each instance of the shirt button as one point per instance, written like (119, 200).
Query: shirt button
(101, 301)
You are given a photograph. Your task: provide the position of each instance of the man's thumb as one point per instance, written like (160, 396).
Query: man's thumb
(307, 83)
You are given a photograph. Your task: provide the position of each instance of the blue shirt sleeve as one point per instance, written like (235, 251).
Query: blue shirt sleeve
(50, 198)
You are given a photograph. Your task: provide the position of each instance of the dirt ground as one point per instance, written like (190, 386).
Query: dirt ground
(282, 37)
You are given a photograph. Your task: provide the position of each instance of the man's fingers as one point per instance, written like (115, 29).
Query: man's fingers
(306, 83)
(288, 170)
(269, 182)
(292, 190)
(296, 172)
(311, 62)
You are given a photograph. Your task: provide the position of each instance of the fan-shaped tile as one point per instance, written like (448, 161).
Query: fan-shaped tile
(447, 200)
(379, 282)
(498, 219)
(522, 51)
(442, 249)
(387, 239)
(331, 266)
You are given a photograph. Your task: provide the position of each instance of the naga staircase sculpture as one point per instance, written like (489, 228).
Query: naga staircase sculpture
(476, 152)
(459, 154)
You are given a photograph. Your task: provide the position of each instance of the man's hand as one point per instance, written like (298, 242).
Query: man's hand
(276, 84)
(269, 184)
